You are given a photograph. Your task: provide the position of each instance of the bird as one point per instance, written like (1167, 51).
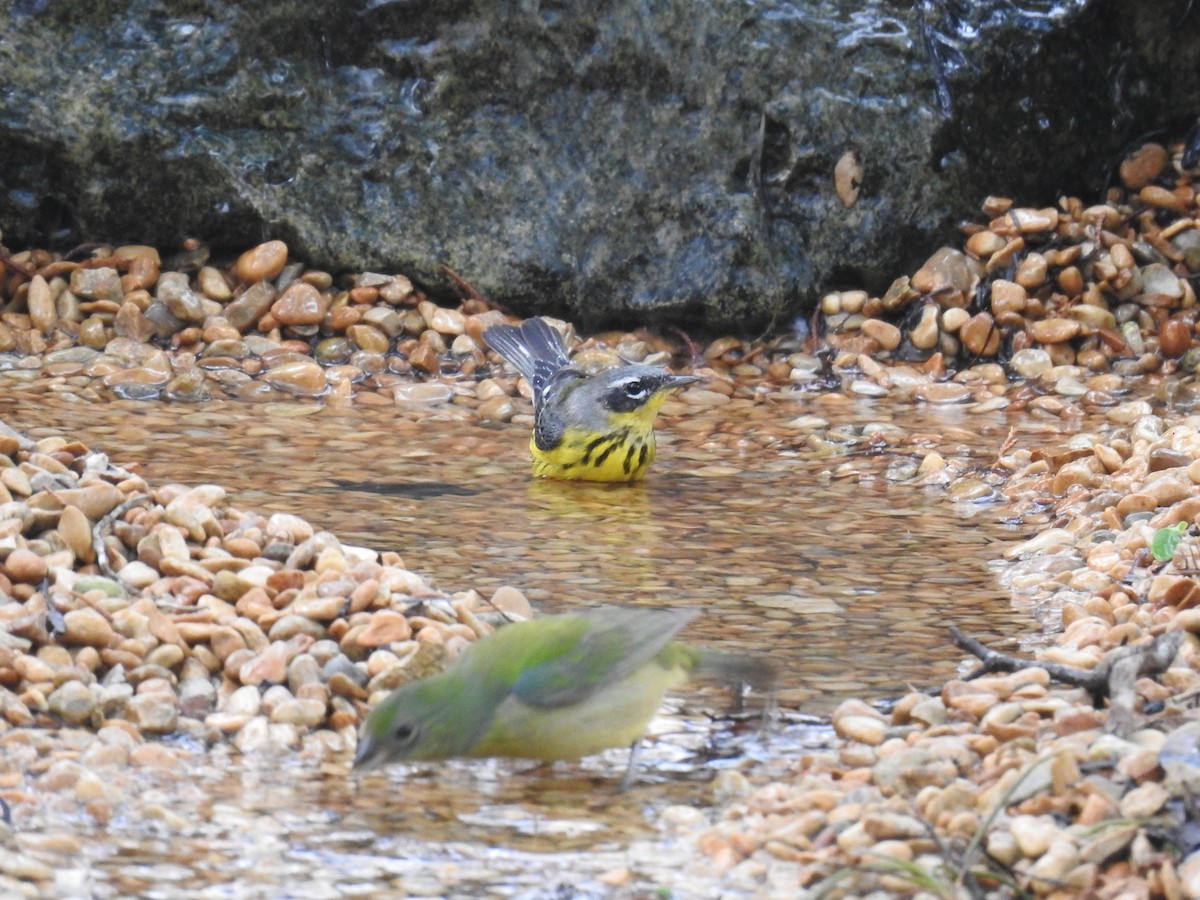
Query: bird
(551, 688)
(588, 427)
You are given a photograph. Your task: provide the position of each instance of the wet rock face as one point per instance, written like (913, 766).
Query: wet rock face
(718, 164)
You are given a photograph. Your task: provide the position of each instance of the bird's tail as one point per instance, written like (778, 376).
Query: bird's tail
(535, 348)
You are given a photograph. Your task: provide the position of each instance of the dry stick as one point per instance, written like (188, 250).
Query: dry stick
(104, 524)
(1113, 677)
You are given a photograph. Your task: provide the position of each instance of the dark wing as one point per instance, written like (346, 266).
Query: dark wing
(534, 348)
(616, 642)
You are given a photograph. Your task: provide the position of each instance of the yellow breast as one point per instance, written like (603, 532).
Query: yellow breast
(620, 455)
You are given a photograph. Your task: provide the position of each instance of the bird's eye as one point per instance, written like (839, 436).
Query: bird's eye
(635, 390)
(404, 733)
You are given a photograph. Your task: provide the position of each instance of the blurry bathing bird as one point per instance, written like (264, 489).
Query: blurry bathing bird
(551, 688)
(590, 427)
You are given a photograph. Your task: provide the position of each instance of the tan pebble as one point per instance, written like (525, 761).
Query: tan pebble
(268, 666)
(1143, 165)
(1153, 195)
(497, 409)
(369, 338)
(385, 627)
(925, 333)
(1054, 330)
(154, 713)
(73, 702)
(1059, 859)
(886, 334)
(447, 321)
(322, 609)
(864, 729)
(301, 378)
(43, 313)
(1034, 834)
(983, 244)
(1188, 620)
(848, 177)
(76, 531)
(1144, 801)
(300, 304)
(299, 712)
(511, 600)
(1034, 220)
(88, 627)
(363, 595)
(943, 392)
(213, 284)
(261, 263)
(24, 868)
(980, 335)
(1096, 808)
(422, 394)
(94, 500)
(25, 566)
(949, 276)
(1032, 271)
(954, 318)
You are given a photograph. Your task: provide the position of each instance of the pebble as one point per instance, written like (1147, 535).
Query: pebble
(261, 263)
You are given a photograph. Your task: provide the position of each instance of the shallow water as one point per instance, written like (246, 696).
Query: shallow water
(788, 541)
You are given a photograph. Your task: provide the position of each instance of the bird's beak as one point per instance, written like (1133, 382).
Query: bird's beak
(677, 381)
(366, 755)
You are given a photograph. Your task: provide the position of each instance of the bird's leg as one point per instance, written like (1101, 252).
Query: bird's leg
(628, 779)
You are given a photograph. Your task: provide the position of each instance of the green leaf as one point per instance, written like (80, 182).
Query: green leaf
(1166, 540)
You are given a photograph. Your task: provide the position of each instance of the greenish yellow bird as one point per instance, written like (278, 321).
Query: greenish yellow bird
(550, 688)
(597, 427)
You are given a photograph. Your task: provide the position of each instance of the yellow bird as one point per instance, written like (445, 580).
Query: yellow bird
(551, 688)
(589, 427)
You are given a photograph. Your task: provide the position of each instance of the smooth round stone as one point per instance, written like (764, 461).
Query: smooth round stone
(25, 566)
(1034, 834)
(1159, 279)
(156, 713)
(299, 711)
(73, 702)
(422, 394)
(213, 284)
(292, 624)
(245, 701)
(884, 333)
(369, 338)
(1031, 362)
(302, 378)
(188, 387)
(925, 333)
(1055, 330)
(447, 321)
(91, 333)
(1143, 165)
(43, 313)
(261, 263)
(103, 283)
(333, 351)
(300, 304)
(980, 335)
(76, 531)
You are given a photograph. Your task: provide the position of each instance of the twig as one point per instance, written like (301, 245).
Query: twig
(104, 524)
(1112, 678)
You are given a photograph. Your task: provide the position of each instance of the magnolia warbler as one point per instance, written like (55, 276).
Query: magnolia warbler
(590, 427)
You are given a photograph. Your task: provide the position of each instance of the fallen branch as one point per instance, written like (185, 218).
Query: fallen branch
(101, 527)
(1113, 678)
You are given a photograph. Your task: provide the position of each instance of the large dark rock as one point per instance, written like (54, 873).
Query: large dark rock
(610, 161)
